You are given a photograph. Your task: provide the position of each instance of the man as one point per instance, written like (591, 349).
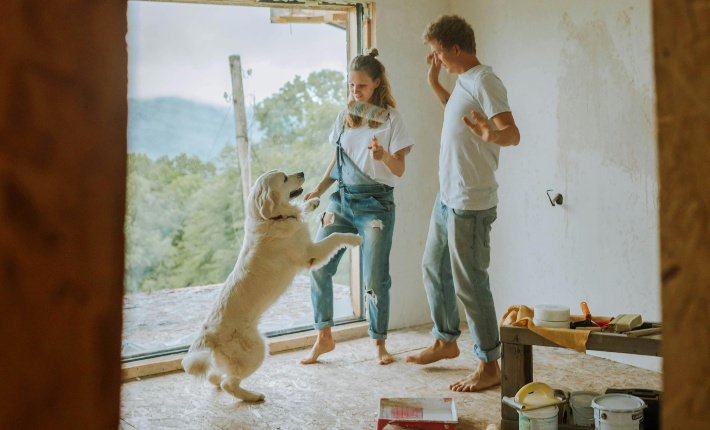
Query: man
(457, 251)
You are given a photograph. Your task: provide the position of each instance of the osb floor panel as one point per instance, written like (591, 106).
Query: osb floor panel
(343, 390)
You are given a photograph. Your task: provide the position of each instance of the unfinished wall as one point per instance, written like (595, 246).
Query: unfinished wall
(399, 27)
(580, 84)
(62, 189)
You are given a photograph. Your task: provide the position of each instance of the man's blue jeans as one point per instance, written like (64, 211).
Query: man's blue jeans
(370, 212)
(455, 264)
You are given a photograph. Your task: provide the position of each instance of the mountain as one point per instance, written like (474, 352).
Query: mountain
(172, 125)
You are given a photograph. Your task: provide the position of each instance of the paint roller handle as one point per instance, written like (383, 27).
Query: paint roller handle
(585, 310)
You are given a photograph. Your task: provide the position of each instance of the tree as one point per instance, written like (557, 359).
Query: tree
(296, 122)
(165, 204)
(184, 219)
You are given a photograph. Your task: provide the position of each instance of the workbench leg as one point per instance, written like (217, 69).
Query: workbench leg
(517, 370)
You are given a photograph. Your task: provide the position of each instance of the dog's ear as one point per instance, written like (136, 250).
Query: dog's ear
(269, 203)
(258, 198)
(263, 202)
(265, 197)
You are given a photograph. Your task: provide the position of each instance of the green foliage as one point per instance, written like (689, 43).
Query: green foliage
(184, 218)
(296, 122)
(178, 219)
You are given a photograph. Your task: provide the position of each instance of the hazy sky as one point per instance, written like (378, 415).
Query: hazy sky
(183, 50)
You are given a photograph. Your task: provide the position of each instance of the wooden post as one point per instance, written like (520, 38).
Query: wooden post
(517, 370)
(681, 44)
(62, 206)
(240, 125)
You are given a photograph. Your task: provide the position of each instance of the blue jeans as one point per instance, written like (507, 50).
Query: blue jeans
(369, 211)
(455, 264)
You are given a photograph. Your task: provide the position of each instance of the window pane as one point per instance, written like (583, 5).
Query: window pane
(184, 219)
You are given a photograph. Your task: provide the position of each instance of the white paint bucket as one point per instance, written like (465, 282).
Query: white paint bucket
(581, 404)
(538, 419)
(618, 412)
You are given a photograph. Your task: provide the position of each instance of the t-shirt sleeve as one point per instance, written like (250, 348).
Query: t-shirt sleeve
(337, 128)
(492, 95)
(400, 136)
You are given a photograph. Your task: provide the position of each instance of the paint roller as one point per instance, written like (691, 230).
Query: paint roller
(368, 112)
(534, 395)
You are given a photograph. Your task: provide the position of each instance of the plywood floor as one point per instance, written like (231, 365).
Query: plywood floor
(342, 392)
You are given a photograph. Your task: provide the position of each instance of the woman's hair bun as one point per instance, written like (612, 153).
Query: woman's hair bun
(373, 52)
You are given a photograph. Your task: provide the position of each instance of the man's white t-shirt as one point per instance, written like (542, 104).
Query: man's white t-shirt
(467, 164)
(392, 135)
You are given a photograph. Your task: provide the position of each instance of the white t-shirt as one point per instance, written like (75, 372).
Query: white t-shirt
(392, 135)
(467, 164)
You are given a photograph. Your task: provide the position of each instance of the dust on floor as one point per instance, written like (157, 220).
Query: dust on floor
(343, 390)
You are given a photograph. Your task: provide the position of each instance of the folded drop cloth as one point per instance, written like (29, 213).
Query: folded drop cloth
(522, 316)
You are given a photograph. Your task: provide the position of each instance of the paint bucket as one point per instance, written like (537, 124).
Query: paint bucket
(581, 404)
(538, 419)
(551, 316)
(618, 412)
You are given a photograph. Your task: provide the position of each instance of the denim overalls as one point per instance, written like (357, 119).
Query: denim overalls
(364, 206)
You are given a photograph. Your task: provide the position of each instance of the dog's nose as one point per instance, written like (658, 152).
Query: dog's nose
(301, 174)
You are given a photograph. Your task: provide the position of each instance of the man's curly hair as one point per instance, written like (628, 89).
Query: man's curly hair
(450, 30)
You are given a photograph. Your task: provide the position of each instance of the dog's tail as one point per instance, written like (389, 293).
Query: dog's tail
(198, 358)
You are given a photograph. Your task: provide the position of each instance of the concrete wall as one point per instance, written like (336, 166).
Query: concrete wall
(580, 84)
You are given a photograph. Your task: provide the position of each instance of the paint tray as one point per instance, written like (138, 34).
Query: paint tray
(423, 413)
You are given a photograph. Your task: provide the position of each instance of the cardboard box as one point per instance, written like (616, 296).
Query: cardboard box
(422, 413)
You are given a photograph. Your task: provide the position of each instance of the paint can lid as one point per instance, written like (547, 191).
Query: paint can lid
(551, 312)
(618, 403)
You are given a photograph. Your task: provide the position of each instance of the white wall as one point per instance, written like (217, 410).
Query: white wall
(580, 85)
(399, 28)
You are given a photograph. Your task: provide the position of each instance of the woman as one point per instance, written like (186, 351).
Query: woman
(369, 158)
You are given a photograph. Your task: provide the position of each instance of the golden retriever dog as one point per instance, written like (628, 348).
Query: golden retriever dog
(277, 245)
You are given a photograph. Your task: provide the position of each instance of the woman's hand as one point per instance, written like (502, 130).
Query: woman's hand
(394, 163)
(376, 151)
(313, 194)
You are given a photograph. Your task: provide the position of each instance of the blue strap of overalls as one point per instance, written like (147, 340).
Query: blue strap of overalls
(354, 172)
(339, 161)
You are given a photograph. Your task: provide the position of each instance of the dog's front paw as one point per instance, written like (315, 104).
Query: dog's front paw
(311, 204)
(354, 239)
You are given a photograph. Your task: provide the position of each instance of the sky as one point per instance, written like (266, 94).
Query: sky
(177, 49)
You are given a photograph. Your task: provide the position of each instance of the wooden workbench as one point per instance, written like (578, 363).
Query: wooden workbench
(517, 361)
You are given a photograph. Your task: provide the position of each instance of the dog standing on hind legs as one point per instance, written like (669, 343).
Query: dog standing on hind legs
(277, 245)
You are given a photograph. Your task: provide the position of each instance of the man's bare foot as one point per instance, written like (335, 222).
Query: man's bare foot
(324, 343)
(436, 352)
(383, 357)
(486, 376)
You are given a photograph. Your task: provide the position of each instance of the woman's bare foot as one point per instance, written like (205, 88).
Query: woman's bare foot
(436, 352)
(324, 343)
(383, 357)
(486, 376)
